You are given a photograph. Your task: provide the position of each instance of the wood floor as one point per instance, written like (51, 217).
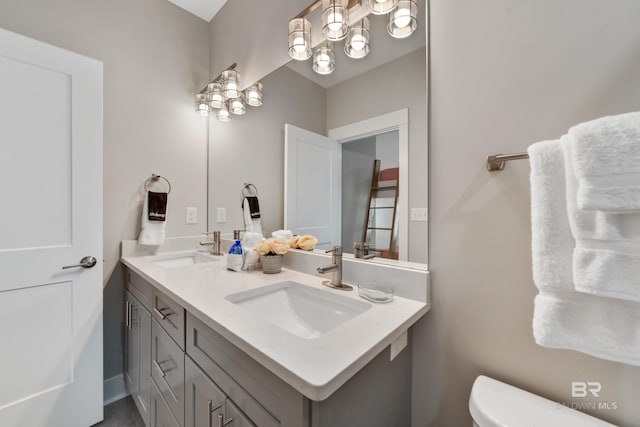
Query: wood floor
(122, 413)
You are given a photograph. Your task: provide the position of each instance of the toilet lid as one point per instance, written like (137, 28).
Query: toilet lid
(496, 404)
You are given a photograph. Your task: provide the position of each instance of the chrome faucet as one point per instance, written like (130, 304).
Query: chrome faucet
(336, 269)
(214, 245)
(361, 250)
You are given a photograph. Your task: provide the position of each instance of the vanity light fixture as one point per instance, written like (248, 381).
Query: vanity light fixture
(357, 43)
(224, 95)
(236, 106)
(216, 99)
(300, 39)
(324, 60)
(335, 19)
(335, 26)
(403, 19)
(381, 7)
(223, 114)
(202, 106)
(253, 94)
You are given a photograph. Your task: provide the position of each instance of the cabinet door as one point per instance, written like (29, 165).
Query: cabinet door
(132, 341)
(143, 399)
(167, 370)
(233, 417)
(161, 415)
(204, 401)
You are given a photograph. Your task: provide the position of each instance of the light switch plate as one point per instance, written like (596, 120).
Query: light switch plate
(221, 215)
(419, 214)
(399, 344)
(191, 216)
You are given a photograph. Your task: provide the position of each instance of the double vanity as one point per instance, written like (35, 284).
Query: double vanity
(211, 347)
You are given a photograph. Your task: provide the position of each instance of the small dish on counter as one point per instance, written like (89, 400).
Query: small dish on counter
(375, 292)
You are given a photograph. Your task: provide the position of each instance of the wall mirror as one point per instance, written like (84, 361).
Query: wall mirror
(374, 108)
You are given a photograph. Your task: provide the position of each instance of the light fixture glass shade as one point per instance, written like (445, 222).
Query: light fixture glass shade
(402, 21)
(202, 106)
(300, 39)
(381, 7)
(230, 84)
(253, 95)
(335, 19)
(357, 43)
(237, 107)
(216, 99)
(223, 114)
(324, 61)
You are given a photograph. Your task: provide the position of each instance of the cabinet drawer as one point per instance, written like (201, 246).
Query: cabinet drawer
(139, 288)
(170, 315)
(167, 370)
(265, 398)
(161, 416)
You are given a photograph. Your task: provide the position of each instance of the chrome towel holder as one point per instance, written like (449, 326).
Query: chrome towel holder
(155, 178)
(496, 162)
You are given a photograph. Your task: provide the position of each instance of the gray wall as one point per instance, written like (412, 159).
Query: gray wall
(392, 86)
(156, 57)
(505, 74)
(250, 148)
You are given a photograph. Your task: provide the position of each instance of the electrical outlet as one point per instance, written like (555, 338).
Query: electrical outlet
(221, 215)
(419, 214)
(191, 216)
(398, 345)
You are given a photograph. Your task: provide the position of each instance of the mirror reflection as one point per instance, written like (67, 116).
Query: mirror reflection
(349, 107)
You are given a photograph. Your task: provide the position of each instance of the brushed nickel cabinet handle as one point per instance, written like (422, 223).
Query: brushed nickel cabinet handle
(210, 410)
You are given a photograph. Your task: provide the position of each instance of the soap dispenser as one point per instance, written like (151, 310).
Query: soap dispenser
(235, 258)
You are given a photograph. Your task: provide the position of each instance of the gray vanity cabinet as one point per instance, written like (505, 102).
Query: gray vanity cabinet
(138, 354)
(198, 378)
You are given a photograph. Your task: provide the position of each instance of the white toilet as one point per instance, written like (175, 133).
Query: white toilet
(496, 404)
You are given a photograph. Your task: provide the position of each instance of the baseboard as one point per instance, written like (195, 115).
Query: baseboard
(114, 389)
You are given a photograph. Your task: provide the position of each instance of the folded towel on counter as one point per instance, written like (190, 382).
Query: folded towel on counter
(284, 235)
(606, 259)
(251, 259)
(252, 223)
(564, 318)
(153, 221)
(606, 161)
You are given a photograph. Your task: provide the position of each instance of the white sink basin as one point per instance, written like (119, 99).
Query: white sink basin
(171, 261)
(299, 309)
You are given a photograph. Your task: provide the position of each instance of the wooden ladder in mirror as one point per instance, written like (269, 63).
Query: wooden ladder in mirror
(380, 226)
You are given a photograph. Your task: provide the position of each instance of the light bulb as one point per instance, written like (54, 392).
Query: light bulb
(402, 17)
(299, 44)
(358, 42)
(381, 1)
(335, 21)
(323, 60)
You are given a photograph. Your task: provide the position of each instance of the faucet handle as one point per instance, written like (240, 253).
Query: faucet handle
(337, 250)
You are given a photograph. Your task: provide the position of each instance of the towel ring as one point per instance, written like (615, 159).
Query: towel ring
(249, 190)
(155, 178)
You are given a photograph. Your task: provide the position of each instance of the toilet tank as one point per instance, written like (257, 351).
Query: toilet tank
(496, 404)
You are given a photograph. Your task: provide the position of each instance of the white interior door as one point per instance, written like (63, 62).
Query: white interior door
(312, 200)
(51, 216)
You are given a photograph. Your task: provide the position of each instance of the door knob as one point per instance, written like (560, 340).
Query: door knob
(86, 262)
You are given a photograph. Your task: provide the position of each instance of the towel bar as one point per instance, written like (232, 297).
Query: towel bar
(496, 162)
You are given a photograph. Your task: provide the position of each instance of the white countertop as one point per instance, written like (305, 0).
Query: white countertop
(315, 367)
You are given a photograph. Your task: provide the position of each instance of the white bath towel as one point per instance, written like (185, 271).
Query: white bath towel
(606, 260)
(606, 160)
(251, 225)
(152, 233)
(564, 318)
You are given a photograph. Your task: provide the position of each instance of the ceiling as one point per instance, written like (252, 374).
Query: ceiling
(205, 9)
